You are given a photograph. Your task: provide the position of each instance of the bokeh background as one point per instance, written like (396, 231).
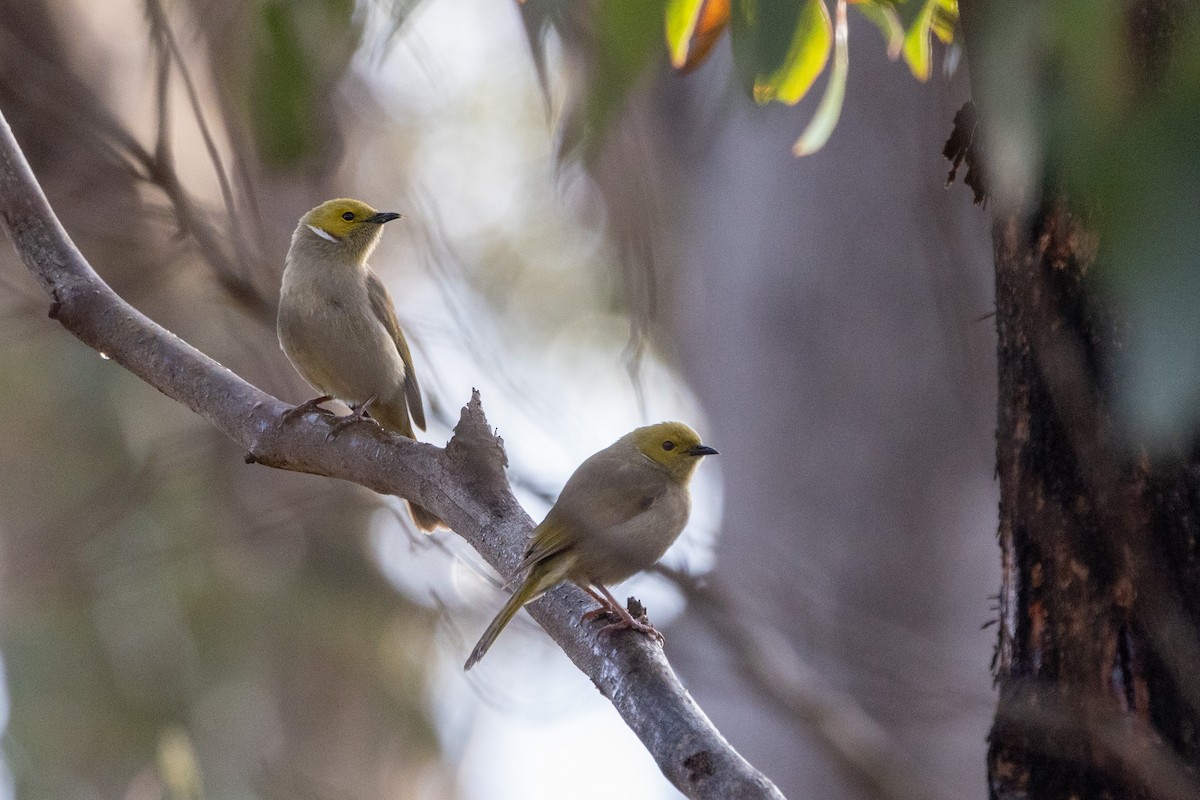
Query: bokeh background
(176, 623)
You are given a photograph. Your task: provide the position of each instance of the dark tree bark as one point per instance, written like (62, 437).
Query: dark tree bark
(1099, 612)
(1098, 604)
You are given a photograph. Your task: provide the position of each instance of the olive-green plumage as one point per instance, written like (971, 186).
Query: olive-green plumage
(337, 323)
(616, 516)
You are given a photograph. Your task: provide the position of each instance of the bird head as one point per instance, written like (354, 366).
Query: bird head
(674, 446)
(346, 226)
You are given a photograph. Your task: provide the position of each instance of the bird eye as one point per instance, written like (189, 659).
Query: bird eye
(348, 216)
(668, 445)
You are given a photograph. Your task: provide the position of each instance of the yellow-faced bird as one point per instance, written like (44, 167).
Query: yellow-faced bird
(338, 326)
(616, 516)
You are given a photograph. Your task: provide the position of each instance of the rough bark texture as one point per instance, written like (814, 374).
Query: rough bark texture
(1099, 613)
(1096, 655)
(464, 484)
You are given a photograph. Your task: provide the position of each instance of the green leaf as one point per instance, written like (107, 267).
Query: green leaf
(693, 28)
(916, 43)
(945, 18)
(806, 58)
(282, 95)
(628, 37)
(938, 16)
(821, 126)
(300, 50)
(762, 32)
(681, 23)
(884, 17)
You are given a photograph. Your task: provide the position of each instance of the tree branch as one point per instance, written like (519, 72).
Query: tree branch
(463, 483)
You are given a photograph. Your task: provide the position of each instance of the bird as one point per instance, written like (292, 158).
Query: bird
(337, 324)
(616, 516)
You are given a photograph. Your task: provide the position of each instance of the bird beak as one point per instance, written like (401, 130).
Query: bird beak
(701, 450)
(382, 217)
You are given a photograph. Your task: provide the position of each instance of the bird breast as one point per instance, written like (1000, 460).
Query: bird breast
(618, 552)
(329, 332)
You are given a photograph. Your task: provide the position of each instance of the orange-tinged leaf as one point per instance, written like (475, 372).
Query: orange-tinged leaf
(714, 19)
(693, 27)
(821, 126)
(806, 58)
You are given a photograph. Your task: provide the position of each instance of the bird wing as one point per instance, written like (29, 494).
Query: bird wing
(385, 312)
(606, 491)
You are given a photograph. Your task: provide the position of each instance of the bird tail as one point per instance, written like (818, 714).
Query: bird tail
(392, 414)
(530, 589)
(394, 417)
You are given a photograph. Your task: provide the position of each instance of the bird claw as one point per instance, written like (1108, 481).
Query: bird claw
(633, 624)
(625, 620)
(336, 428)
(597, 613)
(296, 412)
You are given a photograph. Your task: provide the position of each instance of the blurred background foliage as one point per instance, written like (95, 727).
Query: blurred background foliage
(603, 228)
(1098, 101)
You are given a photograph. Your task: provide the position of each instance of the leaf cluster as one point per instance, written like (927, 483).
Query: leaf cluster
(780, 47)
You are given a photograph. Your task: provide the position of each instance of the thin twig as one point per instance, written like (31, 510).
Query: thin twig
(161, 28)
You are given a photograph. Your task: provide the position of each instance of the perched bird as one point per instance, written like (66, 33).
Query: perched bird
(618, 513)
(338, 326)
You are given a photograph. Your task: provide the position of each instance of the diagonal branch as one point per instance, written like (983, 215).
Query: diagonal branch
(463, 483)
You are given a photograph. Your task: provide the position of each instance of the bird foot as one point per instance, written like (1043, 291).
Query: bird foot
(296, 412)
(597, 613)
(636, 625)
(356, 416)
(625, 620)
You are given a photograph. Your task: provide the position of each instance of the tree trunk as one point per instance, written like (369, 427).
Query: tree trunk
(1098, 606)
(1097, 658)
(1096, 662)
